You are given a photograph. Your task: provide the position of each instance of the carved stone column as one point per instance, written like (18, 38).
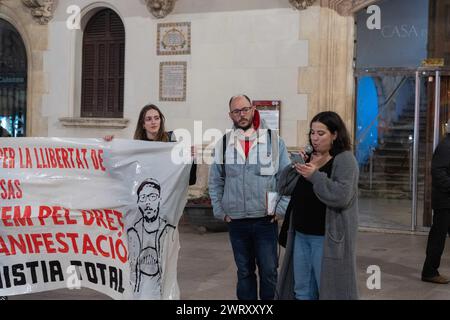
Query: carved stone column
(328, 78)
(41, 10)
(160, 8)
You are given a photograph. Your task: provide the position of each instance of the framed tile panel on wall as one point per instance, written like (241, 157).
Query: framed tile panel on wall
(172, 80)
(174, 38)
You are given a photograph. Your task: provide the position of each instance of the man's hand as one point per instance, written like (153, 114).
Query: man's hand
(227, 219)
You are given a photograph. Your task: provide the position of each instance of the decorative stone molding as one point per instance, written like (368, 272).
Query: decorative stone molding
(41, 10)
(346, 7)
(111, 123)
(343, 7)
(160, 8)
(301, 4)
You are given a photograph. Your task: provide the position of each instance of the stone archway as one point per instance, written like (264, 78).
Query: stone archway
(23, 16)
(13, 80)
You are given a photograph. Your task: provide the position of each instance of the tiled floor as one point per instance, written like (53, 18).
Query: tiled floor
(206, 268)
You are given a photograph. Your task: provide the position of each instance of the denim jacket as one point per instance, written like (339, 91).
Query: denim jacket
(241, 191)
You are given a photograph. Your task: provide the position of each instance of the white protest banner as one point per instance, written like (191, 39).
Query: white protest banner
(89, 213)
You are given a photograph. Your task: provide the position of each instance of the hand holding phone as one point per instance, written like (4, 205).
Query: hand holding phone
(297, 158)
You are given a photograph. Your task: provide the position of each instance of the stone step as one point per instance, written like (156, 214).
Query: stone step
(383, 151)
(387, 194)
(394, 159)
(401, 133)
(389, 185)
(403, 140)
(394, 143)
(406, 125)
(385, 176)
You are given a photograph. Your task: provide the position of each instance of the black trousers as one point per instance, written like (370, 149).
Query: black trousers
(436, 242)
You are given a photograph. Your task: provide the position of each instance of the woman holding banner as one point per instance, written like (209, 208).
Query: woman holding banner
(146, 235)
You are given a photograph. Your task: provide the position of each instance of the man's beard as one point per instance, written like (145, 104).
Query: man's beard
(245, 128)
(147, 218)
(150, 219)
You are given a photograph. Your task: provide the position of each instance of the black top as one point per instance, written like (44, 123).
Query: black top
(4, 133)
(193, 172)
(440, 173)
(309, 211)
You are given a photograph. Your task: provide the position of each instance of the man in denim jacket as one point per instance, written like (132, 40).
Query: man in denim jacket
(239, 181)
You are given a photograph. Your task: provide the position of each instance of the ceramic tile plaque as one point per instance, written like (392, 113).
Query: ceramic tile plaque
(174, 38)
(172, 80)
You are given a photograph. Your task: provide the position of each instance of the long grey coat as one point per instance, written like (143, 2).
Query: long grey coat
(340, 194)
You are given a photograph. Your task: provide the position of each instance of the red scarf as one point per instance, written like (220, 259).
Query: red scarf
(246, 144)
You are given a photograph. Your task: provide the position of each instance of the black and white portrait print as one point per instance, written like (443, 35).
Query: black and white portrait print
(146, 238)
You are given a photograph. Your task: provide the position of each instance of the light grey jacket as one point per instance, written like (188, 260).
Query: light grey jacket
(240, 191)
(340, 194)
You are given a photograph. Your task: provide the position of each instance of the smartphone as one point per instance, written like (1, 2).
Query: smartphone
(297, 158)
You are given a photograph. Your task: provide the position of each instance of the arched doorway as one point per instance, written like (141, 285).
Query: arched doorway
(13, 80)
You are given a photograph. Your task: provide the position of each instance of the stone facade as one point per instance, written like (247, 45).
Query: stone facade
(327, 80)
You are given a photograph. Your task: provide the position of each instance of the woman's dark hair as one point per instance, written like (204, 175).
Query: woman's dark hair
(141, 134)
(335, 124)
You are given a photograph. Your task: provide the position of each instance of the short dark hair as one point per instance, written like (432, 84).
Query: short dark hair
(335, 124)
(152, 182)
(239, 95)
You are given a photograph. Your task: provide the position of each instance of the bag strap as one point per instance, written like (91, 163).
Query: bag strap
(225, 139)
(171, 136)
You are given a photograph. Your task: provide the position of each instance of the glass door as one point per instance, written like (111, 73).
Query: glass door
(385, 112)
(397, 130)
(438, 114)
